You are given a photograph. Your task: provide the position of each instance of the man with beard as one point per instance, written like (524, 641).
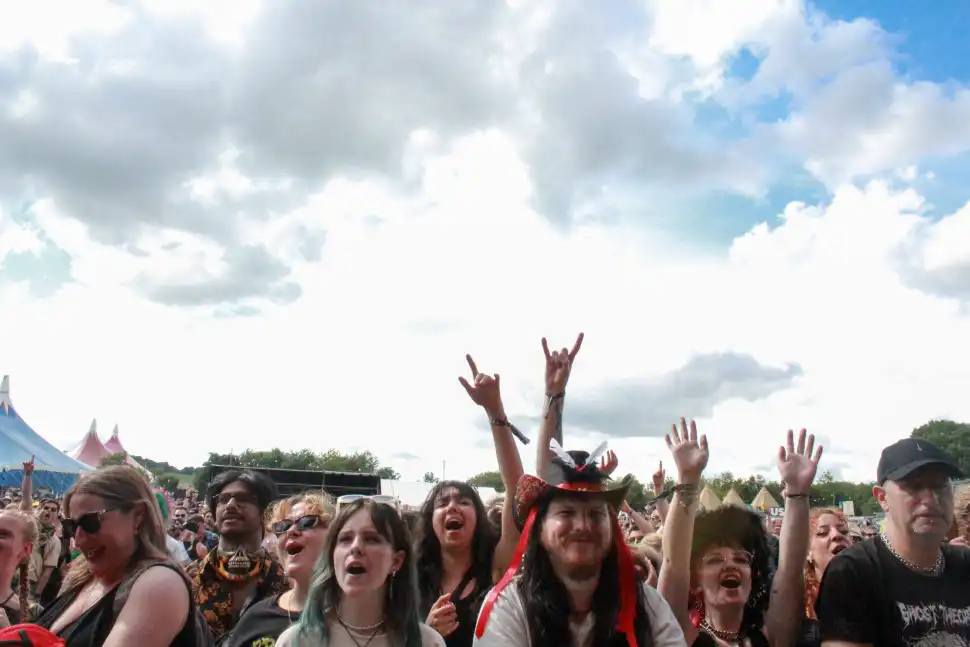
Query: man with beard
(906, 586)
(238, 573)
(47, 548)
(573, 580)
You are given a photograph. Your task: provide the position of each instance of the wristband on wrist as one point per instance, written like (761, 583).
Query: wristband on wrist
(501, 422)
(551, 398)
(799, 495)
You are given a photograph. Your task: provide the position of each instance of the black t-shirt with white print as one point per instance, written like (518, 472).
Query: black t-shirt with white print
(261, 624)
(868, 596)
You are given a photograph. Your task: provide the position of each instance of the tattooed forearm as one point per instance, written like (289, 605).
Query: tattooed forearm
(553, 406)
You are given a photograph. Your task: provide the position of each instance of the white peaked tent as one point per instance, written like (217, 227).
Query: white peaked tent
(708, 500)
(733, 498)
(764, 501)
(89, 451)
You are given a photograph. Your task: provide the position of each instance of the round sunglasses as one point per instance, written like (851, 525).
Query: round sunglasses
(89, 522)
(306, 522)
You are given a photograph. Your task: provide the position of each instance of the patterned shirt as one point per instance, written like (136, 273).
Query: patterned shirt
(215, 596)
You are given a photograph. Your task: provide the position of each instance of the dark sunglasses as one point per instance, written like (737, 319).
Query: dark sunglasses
(306, 522)
(241, 498)
(89, 522)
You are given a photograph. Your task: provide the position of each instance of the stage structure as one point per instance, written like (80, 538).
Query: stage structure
(290, 482)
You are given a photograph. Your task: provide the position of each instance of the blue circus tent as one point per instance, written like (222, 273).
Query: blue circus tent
(53, 469)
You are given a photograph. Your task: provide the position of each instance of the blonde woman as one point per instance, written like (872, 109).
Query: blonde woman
(18, 532)
(300, 526)
(123, 589)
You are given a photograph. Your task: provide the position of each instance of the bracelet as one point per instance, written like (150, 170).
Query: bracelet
(687, 495)
(550, 399)
(797, 496)
(498, 422)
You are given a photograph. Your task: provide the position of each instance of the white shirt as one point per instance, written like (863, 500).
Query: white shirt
(508, 625)
(339, 637)
(176, 550)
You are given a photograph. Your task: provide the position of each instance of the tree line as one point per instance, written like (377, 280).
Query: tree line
(953, 437)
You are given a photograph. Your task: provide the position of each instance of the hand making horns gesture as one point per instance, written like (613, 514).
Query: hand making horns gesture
(559, 363)
(483, 390)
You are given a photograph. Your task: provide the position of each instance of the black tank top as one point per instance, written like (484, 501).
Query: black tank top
(466, 608)
(91, 629)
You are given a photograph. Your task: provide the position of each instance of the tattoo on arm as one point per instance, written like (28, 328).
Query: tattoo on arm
(557, 407)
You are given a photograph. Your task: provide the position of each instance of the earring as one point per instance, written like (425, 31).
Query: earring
(697, 613)
(390, 585)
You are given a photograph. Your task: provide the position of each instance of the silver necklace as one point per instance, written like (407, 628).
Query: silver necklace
(362, 630)
(935, 569)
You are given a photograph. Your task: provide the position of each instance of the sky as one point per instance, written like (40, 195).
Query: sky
(256, 225)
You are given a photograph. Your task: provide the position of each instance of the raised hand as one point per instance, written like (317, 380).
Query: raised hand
(658, 478)
(29, 467)
(559, 363)
(484, 390)
(690, 453)
(797, 465)
(609, 463)
(443, 616)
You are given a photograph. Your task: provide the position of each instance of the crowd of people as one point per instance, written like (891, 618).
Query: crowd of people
(560, 560)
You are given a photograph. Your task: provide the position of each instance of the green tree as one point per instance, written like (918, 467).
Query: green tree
(492, 479)
(113, 459)
(388, 473)
(637, 496)
(871, 507)
(167, 482)
(952, 437)
(429, 477)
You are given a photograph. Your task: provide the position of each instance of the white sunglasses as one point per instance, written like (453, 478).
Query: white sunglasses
(377, 498)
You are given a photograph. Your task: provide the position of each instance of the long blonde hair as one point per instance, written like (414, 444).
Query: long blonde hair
(30, 532)
(126, 488)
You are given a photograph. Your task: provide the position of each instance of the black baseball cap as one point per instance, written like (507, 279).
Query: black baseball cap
(904, 457)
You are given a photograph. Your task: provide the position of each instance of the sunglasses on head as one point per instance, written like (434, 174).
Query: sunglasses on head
(90, 522)
(306, 522)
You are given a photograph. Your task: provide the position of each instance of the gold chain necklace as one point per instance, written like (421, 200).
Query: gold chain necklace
(727, 636)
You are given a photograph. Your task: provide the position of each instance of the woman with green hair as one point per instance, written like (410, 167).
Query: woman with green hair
(364, 590)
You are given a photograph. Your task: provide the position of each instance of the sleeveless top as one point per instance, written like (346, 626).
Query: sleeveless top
(91, 629)
(466, 609)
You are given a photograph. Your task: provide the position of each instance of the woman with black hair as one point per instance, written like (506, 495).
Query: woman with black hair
(573, 580)
(715, 572)
(459, 553)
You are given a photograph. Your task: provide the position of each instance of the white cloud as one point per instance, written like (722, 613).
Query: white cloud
(388, 213)
(16, 238)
